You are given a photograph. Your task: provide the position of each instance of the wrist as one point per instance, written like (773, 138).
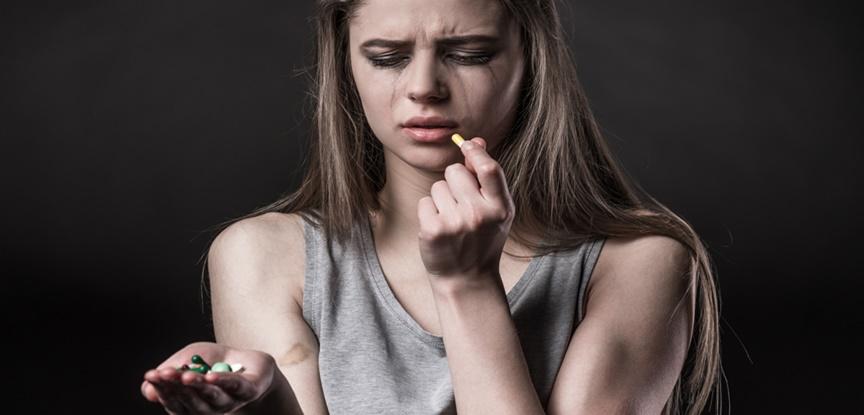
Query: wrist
(456, 286)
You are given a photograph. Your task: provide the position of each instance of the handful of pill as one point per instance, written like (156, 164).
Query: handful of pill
(199, 365)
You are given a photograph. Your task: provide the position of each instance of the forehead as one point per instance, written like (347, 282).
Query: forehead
(400, 19)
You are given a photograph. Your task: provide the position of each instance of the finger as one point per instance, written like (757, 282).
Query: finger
(236, 386)
(444, 201)
(168, 374)
(169, 399)
(427, 214)
(474, 141)
(493, 183)
(214, 396)
(152, 376)
(176, 391)
(463, 185)
(149, 392)
(192, 401)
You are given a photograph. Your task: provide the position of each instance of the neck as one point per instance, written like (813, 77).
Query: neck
(397, 221)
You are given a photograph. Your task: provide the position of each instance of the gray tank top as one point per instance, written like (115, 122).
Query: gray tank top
(374, 358)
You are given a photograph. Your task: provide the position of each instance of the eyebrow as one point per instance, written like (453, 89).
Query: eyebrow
(447, 41)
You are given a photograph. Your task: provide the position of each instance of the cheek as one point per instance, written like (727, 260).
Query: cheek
(376, 91)
(491, 96)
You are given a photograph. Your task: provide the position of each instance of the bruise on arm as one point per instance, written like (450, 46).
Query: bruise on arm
(298, 353)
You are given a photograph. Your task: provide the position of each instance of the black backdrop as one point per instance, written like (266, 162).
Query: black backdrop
(129, 128)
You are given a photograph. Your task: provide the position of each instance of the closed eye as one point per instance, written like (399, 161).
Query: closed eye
(472, 59)
(387, 62)
(398, 61)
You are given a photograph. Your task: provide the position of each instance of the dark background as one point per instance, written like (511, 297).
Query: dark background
(130, 128)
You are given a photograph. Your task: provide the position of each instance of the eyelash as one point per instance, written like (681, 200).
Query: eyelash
(461, 59)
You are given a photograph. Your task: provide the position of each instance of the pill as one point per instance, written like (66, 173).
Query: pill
(236, 367)
(199, 368)
(221, 367)
(199, 360)
(457, 139)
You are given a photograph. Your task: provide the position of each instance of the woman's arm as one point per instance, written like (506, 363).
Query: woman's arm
(628, 351)
(487, 365)
(256, 272)
(624, 357)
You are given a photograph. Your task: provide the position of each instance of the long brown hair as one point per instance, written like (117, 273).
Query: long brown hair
(564, 181)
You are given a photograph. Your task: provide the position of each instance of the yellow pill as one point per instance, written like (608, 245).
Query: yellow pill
(457, 139)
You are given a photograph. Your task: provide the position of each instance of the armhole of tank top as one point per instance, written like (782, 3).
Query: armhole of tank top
(591, 256)
(311, 295)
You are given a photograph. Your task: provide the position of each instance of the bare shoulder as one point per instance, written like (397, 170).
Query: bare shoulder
(272, 244)
(652, 262)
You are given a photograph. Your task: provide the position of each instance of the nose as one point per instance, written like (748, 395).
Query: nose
(424, 82)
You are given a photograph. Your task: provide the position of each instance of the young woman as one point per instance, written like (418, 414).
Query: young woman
(379, 286)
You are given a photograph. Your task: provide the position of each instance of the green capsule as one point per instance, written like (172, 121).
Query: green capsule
(199, 360)
(202, 369)
(221, 367)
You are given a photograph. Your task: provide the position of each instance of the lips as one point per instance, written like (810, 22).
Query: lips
(429, 129)
(429, 134)
(430, 122)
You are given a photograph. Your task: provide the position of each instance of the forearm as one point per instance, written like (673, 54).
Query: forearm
(279, 399)
(487, 365)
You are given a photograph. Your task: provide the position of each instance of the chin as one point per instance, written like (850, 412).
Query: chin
(433, 159)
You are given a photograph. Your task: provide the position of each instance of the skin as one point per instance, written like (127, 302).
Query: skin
(625, 356)
(458, 216)
(187, 391)
(447, 212)
(431, 79)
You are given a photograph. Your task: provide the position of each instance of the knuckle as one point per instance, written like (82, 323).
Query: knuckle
(431, 230)
(498, 215)
(504, 215)
(487, 168)
(453, 224)
(474, 222)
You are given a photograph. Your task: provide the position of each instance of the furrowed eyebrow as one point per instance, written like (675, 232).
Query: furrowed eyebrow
(448, 41)
(462, 40)
(383, 43)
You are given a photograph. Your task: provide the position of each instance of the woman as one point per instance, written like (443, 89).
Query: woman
(604, 302)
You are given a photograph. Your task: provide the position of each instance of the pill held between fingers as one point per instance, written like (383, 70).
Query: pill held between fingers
(457, 139)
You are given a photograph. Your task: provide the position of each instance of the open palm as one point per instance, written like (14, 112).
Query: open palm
(188, 392)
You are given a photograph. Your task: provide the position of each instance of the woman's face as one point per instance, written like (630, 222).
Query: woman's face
(457, 59)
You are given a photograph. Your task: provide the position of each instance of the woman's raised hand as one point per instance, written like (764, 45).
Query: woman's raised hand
(189, 392)
(466, 220)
